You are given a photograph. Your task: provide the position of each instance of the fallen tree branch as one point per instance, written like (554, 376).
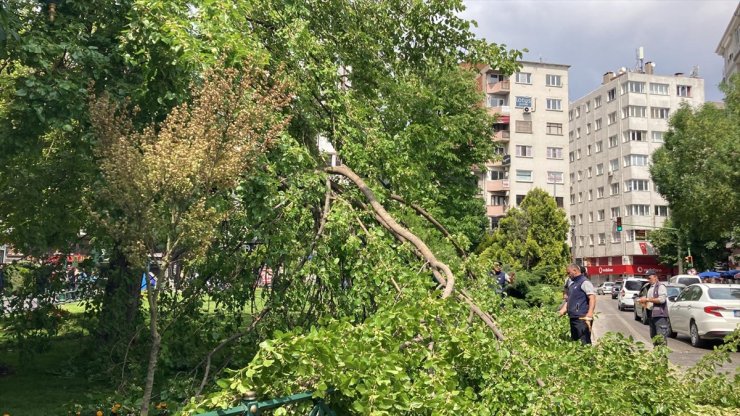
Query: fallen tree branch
(223, 343)
(448, 281)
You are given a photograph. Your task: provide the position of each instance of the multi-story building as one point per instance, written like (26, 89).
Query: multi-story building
(614, 131)
(729, 46)
(530, 135)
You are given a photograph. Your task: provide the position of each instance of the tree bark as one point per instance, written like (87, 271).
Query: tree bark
(151, 294)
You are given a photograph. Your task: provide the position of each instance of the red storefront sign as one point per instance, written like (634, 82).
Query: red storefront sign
(628, 269)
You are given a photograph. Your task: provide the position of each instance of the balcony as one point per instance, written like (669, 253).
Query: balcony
(504, 110)
(495, 210)
(498, 87)
(497, 185)
(502, 135)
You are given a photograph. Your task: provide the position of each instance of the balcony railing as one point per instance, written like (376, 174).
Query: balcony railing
(501, 135)
(496, 210)
(497, 185)
(502, 109)
(498, 87)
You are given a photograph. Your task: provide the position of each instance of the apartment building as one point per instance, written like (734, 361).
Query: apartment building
(613, 132)
(529, 133)
(729, 46)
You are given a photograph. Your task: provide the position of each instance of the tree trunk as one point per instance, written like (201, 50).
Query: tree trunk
(119, 315)
(151, 294)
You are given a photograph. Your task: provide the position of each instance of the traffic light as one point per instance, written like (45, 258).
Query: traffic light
(619, 223)
(689, 261)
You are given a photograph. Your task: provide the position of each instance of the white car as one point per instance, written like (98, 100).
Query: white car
(630, 287)
(605, 288)
(705, 311)
(685, 279)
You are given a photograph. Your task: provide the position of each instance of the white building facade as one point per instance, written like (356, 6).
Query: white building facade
(729, 46)
(530, 135)
(613, 132)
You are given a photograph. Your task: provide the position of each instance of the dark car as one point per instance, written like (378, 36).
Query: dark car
(616, 288)
(643, 315)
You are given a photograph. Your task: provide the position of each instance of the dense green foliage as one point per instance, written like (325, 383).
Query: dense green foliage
(533, 237)
(696, 172)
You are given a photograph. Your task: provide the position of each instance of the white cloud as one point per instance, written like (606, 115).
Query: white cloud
(596, 36)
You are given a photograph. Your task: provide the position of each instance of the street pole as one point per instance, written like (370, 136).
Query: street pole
(680, 259)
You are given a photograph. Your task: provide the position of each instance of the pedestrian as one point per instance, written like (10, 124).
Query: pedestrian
(655, 302)
(500, 277)
(580, 305)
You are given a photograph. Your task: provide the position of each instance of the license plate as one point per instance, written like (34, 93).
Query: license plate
(737, 314)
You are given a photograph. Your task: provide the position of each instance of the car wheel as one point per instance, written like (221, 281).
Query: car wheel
(694, 333)
(644, 319)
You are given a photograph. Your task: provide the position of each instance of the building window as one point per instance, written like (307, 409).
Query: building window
(590, 195)
(524, 175)
(633, 86)
(588, 128)
(613, 141)
(587, 106)
(572, 177)
(500, 151)
(520, 199)
(683, 90)
(661, 210)
(559, 201)
(638, 209)
(497, 101)
(523, 78)
(588, 150)
(580, 241)
(572, 199)
(597, 102)
(579, 175)
(599, 169)
(611, 95)
(554, 104)
(589, 172)
(611, 118)
(598, 146)
(635, 136)
(629, 235)
(553, 80)
(613, 165)
(524, 151)
(616, 237)
(570, 115)
(658, 136)
(615, 212)
(555, 128)
(495, 174)
(659, 112)
(554, 177)
(598, 124)
(580, 197)
(634, 111)
(614, 190)
(636, 160)
(658, 89)
(571, 156)
(591, 240)
(499, 200)
(600, 192)
(580, 219)
(578, 154)
(636, 185)
(554, 152)
(523, 126)
(602, 239)
(578, 111)
(591, 216)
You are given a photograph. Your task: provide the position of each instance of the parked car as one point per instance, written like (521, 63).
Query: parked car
(705, 311)
(616, 288)
(643, 315)
(631, 287)
(605, 288)
(685, 279)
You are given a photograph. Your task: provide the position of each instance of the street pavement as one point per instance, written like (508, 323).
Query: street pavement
(609, 319)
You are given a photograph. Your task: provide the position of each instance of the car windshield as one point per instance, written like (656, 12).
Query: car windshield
(724, 293)
(633, 284)
(674, 291)
(618, 285)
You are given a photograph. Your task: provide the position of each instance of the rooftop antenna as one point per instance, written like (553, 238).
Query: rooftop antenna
(695, 72)
(640, 59)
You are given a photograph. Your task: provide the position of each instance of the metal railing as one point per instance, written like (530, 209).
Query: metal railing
(250, 406)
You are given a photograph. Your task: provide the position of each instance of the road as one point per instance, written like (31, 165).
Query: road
(609, 319)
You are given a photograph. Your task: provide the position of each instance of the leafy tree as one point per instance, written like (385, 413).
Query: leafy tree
(696, 168)
(533, 236)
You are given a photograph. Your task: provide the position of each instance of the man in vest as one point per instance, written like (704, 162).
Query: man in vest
(580, 305)
(655, 301)
(500, 277)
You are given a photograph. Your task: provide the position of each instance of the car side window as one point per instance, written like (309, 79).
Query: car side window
(683, 295)
(695, 294)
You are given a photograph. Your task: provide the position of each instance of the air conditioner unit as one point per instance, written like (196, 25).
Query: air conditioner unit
(527, 110)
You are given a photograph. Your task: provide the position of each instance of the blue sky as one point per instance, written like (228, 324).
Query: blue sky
(596, 36)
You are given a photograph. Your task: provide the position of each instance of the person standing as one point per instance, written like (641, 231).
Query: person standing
(580, 305)
(656, 303)
(500, 277)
